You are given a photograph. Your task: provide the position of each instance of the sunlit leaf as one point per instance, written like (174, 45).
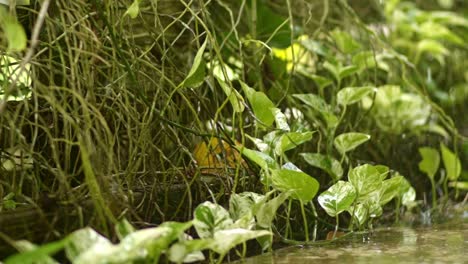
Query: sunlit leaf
(347, 71)
(241, 204)
(326, 163)
(40, 252)
(365, 179)
(13, 31)
(360, 213)
(351, 95)
(321, 82)
(196, 75)
(314, 101)
(383, 170)
(291, 140)
(280, 119)
(302, 186)
(451, 162)
(236, 100)
(124, 228)
(266, 212)
(345, 41)
(438, 31)
(25, 246)
(189, 251)
(408, 197)
(209, 218)
(390, 189)
(430, 161)
(229, 238)
(134, 9)
(261, 104)
(462, 185)
(84, 240)
(349, 141)
(259, 158)
(338, 198)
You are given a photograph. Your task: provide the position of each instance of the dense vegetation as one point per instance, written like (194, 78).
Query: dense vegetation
(177, 129)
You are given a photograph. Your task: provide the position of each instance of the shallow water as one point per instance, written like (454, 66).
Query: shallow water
(446, 243)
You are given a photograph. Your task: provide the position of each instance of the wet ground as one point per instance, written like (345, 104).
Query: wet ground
(447, 243)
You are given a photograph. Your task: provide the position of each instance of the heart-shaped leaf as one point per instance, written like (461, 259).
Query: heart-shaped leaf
(280, 119)
(390, 189)
(226, 239)
(236, 100)
(451, 162)
(349, 141)
(134, 9)
(314, 101)
(259, 158)
(209, 218)
(291, 140)
(13, 31)
(196, 74)
(430, 161)
(326, 163)
(338, 198)
(261, 104)
(351, 95)
(365, 179)
(302, 186)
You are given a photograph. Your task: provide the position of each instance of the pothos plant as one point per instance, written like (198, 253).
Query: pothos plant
(250, 216)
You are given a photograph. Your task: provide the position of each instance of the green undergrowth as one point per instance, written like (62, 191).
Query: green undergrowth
(176, 130)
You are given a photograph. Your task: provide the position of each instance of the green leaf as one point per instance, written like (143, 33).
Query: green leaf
(84, 240)
(338, 198)
(25, 246)
(333, 69)
(408, 197)
(347, 71)
(326, 163)
(196, 74)
(259, 158)
(227, 239)
(267, 211)
(451, 162)
(13, 31)
(345, 41)
(383, 170)
(321, 82)
(243, 203)
(188, 251)
(234, 97)
(280, 119)
(123, 228)
(463, 185)
(209, 218)
(261, 104)
(438, 31)
(314, 101)
(148, 244)
(360, 213)
(134, 9)
(302, 186)
(349, 141)
(351, 95)
(365, 179)
(390, 189)
(291, 140)
(41, 252)
(430, 161)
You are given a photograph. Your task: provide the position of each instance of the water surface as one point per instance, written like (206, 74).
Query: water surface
(446, 243)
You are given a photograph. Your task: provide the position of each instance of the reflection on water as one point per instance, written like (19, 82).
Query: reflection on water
(438, 244)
